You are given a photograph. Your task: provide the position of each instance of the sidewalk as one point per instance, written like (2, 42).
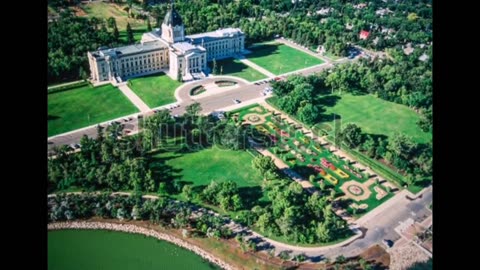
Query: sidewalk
(134, 98)
(300, 48)
(257, 67)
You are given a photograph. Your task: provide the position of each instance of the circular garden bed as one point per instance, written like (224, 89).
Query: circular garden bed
(197, 90)
(253, 118)
(224, 83)
(355, 190)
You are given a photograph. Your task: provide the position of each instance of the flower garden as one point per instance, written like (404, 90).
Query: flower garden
(309, 158)
(197, 90)
(225, 83)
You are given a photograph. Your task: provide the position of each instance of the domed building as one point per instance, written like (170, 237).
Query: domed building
(166, 49)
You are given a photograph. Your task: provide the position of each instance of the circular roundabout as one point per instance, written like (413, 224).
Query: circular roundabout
(355, 190)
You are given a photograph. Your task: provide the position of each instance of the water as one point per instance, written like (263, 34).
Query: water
(105, 250)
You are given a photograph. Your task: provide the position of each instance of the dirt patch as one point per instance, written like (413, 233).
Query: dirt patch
(376, 254)
(79, 11)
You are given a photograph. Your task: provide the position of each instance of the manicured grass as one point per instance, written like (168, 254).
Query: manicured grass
(98, 249)
(203, 166)
(374, 115)
(103, 10)
(280, 58)
(155, 90)
(84, 106)
(234, 67)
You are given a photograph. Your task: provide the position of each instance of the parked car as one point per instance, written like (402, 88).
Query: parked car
(387, 242)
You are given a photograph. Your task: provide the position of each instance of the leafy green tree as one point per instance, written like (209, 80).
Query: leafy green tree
(193, 109)
(264, 164)
(149, 26)
(308, 114)
(187, 192)
(352, 135)
(179, 75)
(214, 67)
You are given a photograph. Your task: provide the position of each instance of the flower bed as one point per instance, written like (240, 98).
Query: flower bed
(327, 164)
(253, 118)
(197, 90)
(355, 190)
(352, 171)
(341, 173)
(225, 83)
(331, 179)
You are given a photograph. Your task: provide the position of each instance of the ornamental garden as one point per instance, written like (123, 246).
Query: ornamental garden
(355, 191)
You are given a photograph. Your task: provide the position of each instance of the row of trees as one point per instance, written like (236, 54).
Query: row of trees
(159, 211)
(411, 21)
(71, 37)
(399, 150)
(107, 162)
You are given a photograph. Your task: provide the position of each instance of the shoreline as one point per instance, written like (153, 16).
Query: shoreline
(129, 228)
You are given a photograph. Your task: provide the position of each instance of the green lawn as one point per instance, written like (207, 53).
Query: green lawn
(99, 249)
(84, 106)
(202, 166)
(234, 67)
(155, 90)
(374, 115)
(103, 10)
(279, 58)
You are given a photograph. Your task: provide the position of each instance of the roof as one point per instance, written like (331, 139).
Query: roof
(214, 35)
(173, 18)
(364, 34)
(130, 49)
(184, 46)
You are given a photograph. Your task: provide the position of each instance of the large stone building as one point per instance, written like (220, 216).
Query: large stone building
(167, 49)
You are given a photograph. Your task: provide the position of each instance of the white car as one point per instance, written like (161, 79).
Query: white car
(236, 101)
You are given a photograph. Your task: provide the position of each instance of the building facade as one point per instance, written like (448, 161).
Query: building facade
(166, 49)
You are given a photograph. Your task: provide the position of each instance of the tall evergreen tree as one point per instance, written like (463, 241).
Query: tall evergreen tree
(130, 38)
(149, 26)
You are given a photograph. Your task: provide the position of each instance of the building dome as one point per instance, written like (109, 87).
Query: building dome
(173, 18)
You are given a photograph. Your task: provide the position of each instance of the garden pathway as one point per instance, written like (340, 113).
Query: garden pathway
(286, 169)
(257, 67)
(134, 98)
(338, 152)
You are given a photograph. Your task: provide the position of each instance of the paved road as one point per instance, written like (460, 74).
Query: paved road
(382, 227)
(210, 103)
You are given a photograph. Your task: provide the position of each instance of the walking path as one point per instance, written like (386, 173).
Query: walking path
(394, 210)
(255, 66)
(286, 169)
(300, 48)
(338, 152)
(134, 98)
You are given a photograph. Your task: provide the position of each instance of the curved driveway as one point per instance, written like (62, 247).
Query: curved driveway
(382, 227)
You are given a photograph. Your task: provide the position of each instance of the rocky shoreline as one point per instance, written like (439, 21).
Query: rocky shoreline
(129, 228)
